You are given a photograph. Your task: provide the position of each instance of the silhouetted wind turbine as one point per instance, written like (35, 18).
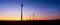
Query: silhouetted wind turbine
(30, 17)
(33, 16)
(22, 11)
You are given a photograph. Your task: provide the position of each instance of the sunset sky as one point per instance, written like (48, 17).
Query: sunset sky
(43, 9)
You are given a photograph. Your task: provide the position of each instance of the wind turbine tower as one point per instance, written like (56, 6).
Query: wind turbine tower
(22, 11)
(33, 16)
(30, 17)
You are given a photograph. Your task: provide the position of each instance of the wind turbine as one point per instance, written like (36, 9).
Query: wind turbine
(33, 16)
(30, 17)
(22, 11)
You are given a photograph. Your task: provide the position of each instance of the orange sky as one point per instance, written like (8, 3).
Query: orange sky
(27, 18)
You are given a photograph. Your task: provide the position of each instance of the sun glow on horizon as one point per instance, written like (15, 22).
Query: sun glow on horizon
(25, 18)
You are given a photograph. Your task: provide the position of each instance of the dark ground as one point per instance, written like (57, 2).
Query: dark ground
(35, 22)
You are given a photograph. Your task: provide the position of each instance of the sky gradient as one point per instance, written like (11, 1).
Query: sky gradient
(43, 9)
